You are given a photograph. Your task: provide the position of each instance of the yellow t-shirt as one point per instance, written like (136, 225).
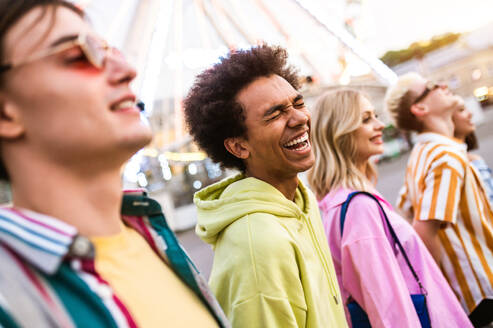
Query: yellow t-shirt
(152, 292)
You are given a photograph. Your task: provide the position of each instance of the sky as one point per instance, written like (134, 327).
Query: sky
(390, 24)
(398, 23)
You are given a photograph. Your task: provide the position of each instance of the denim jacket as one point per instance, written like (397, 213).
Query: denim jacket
(486, 177)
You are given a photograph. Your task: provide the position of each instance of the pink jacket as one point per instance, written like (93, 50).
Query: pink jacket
(371, 269)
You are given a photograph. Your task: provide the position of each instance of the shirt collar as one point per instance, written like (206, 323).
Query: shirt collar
(39, 239)
(439, 138)
(42, 240)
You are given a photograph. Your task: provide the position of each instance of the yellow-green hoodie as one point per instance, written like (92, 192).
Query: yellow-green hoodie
(272, 265)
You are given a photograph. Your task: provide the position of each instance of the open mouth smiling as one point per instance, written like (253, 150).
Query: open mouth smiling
(377, 139)
(299, 143)
(123, 105)
(127, 103)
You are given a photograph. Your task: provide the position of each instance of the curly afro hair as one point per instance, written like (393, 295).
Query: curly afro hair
(211, 110)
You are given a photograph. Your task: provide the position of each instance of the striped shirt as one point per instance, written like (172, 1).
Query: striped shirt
(441, 184)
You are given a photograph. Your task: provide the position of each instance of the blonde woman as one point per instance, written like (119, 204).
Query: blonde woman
(379, 259)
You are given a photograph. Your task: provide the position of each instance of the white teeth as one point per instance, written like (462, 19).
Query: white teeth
(301, 139)
(304, 146)
(124, 104)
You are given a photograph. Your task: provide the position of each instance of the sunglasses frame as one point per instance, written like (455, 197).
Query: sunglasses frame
(81, 41)
(430, 86)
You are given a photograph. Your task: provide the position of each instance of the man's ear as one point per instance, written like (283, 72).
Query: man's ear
(11, 126)
(237, 147)
(419, 110)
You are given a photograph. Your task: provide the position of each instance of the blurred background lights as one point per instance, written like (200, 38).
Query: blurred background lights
(476, 74)
(141, 179)
(167, 174)
(192, 169)
(197, 184)
(481, 93)
(165, 169)
(132, 169)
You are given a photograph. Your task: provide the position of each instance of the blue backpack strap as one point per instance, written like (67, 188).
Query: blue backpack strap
(346, 204)
(391, 230)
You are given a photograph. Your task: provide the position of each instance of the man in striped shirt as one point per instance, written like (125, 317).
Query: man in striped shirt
(74, 251)
(443, 192)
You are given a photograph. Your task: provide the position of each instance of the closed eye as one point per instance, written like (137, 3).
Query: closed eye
(76, 59)
(274, 115)
(74, 55)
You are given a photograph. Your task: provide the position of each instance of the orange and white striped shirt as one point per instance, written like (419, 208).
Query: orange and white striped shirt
(442, 185)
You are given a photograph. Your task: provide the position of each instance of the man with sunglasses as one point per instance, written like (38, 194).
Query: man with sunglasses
(443, 193)
(73, 251)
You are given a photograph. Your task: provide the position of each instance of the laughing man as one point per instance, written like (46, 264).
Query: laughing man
(272, 266)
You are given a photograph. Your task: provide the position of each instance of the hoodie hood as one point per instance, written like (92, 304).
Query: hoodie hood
(226, 201)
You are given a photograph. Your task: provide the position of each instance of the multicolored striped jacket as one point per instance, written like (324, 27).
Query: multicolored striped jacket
(48, 276)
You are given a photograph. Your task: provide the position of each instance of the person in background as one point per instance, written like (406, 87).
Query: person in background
(465, 131)
(371, 269)
(451, 211)
(73, 251)
(272, 266)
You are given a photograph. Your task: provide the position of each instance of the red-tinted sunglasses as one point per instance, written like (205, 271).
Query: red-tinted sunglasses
(95, 49)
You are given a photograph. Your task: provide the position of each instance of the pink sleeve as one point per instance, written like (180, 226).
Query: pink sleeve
(370, 272)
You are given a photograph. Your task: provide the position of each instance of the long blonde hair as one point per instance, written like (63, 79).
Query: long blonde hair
(335, 117)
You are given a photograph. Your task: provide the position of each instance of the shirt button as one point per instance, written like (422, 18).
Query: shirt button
(81, 247)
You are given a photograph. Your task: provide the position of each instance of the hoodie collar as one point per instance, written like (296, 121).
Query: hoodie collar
(221, 204)
(435, 137)
(301, 193)
(228, 187)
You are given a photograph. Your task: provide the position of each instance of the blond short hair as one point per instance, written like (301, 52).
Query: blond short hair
(336, 115)
(399, 99)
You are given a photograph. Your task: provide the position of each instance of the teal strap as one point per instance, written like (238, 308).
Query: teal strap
(6, 321)
(143, 206)
(136, 205)
(85, 308)
(176, 256)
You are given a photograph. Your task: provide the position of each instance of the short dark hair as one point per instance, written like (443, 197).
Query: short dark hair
(11, 11)
(471, 141)
(405, 119)
(211, 110)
